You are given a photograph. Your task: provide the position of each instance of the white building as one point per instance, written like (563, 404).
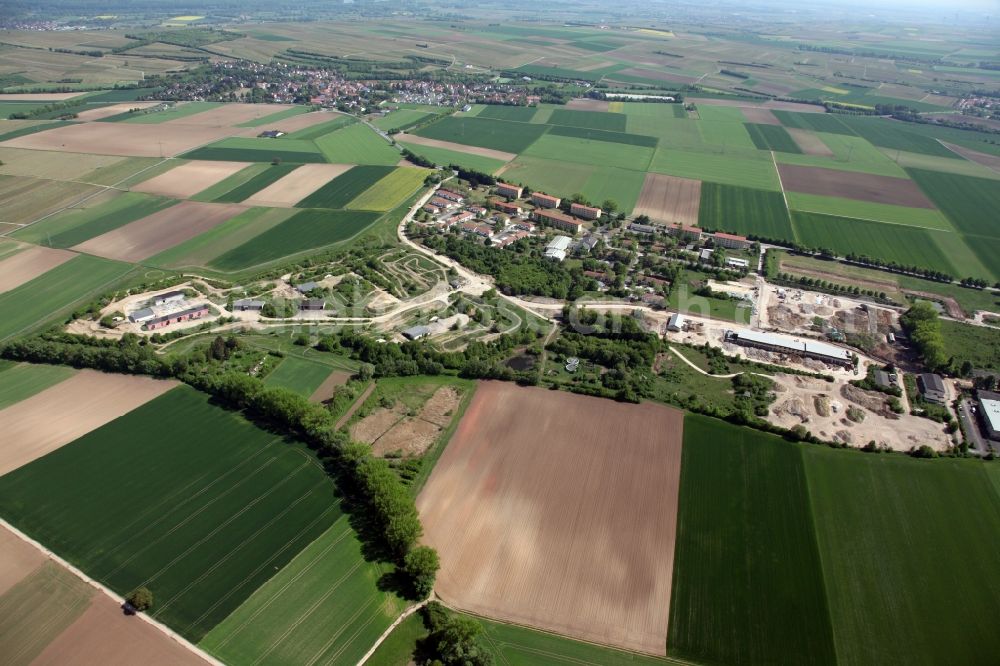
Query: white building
(557, 247)
(677, 322)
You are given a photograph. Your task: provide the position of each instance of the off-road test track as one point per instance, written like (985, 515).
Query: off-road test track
(559, 511)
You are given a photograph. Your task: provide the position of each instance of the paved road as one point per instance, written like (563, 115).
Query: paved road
(971, 428)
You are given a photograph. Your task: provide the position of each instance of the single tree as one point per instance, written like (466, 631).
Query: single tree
(140, 599)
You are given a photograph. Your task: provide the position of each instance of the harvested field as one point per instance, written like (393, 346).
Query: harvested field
(39, 97)
(850, 185)
(103, 112)
(55, 166)
(299, 122)
(229, 115)
(160, 231)
(29, 264)
(587, 104)
(809, 143)
(297, 185)
(58, 415)
(757, 114)
(157, 140)
(25, 200)
(19, 559)
(459, 147)
(105, 635)
(329, 385)
(535, 504)
(189, 178)
(669, 199)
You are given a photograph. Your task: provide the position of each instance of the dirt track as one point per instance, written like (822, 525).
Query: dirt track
(160, 231)
(190, 178)
(28, 264)
(297, 185)
(70, 409)
(669, 199)
(852, 185)
(459, 147)
(535, 507)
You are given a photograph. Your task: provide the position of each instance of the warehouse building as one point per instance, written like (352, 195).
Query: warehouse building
(784, 344)
(557, 247)
(195, 312)
(245, 304)
(989, 414)
(416, 332)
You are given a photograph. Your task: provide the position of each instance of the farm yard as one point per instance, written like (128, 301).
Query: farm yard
(504, 532)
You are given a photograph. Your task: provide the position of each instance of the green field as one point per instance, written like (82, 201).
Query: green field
(584, 151)
(202, 512)
(565, 179)
(400, 119)
(895, 135)
(199, 251)
(321, 129)
(357, 144)
(24, 380)
(772, 137)
(745, 211)
(323, 607)
(390, 191)
(241, 149)
(445, 157)
(908, 246)
(274, 117)
(177, 111)
(605, 135)
(306, 230)
(260, 177)
(970, 203)
(748, 585)
(521, 114)
(909, 557)
(727, 136)
(38, 608)
(926, 218)
(299, 375)
(346, 187)
(485, 133)
(850, 153)
(598, 120)
(73, 226)
(717, 168)
(965, 342)
(817, 122)
(52, 293)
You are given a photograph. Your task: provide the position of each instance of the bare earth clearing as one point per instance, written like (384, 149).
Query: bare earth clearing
(28, 264)
(329, 385)
(190, 178)
(669, 199)
(103, 112)
(160, 231)
(809, 142)
(852, 185)
(459, 147)
(70, 409)
(19, 559)
(587, 104)
(229, 115)
(296, 186)
(535, 506)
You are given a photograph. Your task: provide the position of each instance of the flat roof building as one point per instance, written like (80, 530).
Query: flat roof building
(676, 323)
(245, 304)
(194, 312)
(736, 262)
(989, 414)
(557, 247)
(168, 297)
(140, 316)
(784, 344)
(312, 304)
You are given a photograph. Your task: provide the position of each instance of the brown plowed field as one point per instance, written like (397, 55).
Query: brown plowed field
(160, 231)
(559, 511)
(70, 409)
(757, 114)
(39, 97)
(19, 559)
(851, 185)
(329, 385)
(153, 140)
(107, 111)
(669, 199)
(458, 147)
(296, 186)
(809, 142)
(190, 178)
(989, 161)
(29, 264)
(105, 635)
(587, 104)
(229, 115)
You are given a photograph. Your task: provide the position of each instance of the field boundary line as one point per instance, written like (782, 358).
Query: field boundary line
(333, 639)
(784, 197)
(264, 564)
(159, 626)
(291, 582)
(395, 623)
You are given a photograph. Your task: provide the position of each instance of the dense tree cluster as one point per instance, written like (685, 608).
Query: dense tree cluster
(922, 325)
